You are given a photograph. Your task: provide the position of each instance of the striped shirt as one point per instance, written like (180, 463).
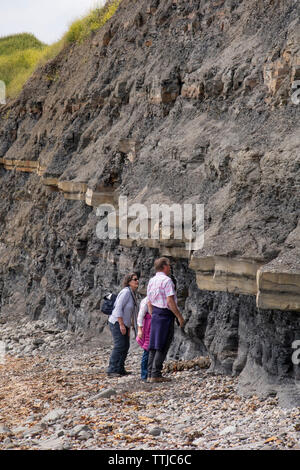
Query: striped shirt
(159, 288)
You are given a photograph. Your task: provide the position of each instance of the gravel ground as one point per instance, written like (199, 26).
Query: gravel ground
(55, 395)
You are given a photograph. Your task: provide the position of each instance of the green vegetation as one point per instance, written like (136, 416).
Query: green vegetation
(19, 42)
(82, 28)
(21, 54)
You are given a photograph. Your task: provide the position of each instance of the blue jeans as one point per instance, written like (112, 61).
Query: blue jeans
(120, 349)
(144, 365)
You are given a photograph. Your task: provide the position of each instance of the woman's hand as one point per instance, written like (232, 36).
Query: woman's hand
(122, 326)
(140, 332)
(123, 329)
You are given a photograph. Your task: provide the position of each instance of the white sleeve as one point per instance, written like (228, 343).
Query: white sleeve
(121, 301)
(142, 312)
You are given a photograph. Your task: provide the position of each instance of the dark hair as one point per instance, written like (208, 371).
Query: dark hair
(128, 278)
(160, 263)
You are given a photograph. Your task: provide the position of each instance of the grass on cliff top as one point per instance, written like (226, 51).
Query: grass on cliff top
(19, 42)
(21, 54)
(82, 28)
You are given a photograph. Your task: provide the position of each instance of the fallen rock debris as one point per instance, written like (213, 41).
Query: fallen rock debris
(57, 396)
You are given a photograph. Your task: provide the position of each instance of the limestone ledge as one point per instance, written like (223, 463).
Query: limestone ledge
(279, 283)
(273, 289)
(101, 196)
(72, 190)
(28, 166)
(226, 274)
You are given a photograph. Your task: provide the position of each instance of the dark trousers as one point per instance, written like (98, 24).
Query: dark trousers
(144, 365)
(120, 349)
(157, 356)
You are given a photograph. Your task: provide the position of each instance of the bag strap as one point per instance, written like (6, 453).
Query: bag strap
(135, 327)
(134, 299)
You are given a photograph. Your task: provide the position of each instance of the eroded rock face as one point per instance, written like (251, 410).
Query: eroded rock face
(171, 102)
(256, 345)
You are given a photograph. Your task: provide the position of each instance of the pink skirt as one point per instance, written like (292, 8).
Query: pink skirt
(144, 341)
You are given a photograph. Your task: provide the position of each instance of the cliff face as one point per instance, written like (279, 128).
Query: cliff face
(171, 102)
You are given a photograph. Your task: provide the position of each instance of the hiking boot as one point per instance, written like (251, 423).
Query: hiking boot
(126, 372)
(113, 374)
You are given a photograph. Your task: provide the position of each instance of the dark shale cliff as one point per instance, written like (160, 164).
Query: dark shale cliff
(170, 102)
